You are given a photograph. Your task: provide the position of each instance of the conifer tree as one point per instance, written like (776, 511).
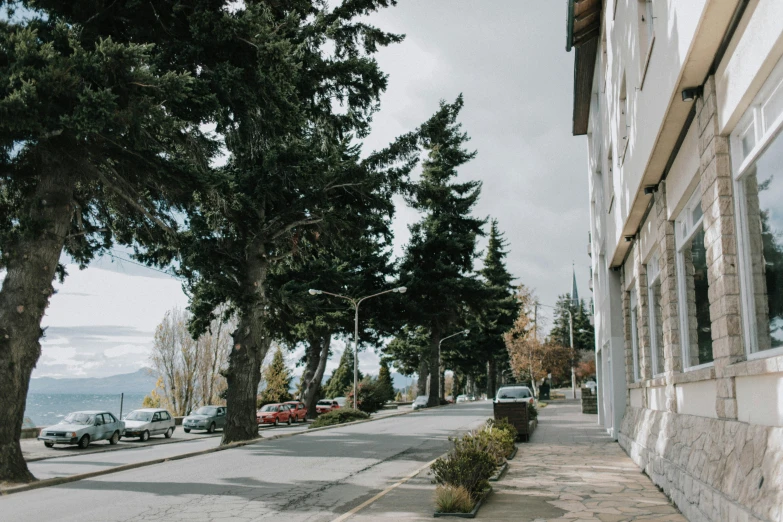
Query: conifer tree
(499, 307)
(385, 385)
(341, 381)
(277, 377)
(438, 262)
(100, 142)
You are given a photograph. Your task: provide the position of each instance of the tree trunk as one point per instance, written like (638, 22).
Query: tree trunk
(251, 344)
(31, 263)
(421, 384)
(492, 376)
(434, 363)
(317, 355)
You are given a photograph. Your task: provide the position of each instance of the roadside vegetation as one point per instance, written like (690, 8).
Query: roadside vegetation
(468, 466)
(339, 416)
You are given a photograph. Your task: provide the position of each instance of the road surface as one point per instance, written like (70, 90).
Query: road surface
(313, 476)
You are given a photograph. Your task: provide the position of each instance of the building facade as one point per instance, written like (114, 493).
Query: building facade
(681, 102)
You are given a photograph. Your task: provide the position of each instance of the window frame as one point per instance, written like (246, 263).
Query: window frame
(682, 237)
(645, 8)
(634, 304)
(754, 123)
(653, 277)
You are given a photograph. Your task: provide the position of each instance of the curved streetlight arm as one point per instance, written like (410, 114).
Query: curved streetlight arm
(463, 332)
(356, 302)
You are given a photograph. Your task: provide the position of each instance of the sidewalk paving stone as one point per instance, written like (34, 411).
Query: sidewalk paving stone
(570, 471)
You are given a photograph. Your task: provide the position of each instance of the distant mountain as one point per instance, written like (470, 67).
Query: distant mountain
(141, 381)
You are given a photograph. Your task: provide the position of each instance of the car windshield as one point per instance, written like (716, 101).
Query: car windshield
(205, 410)
(269, 407)
(513, 393)
(324, 403)
(79, 418)
(144, 416)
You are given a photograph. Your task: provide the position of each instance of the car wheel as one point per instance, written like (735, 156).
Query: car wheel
(49, 444)
(84, 442)
(211, 428)
(186, 430)
(145, 436)
(289, 420)
(169, 433)
(115, 438)
(277, 422)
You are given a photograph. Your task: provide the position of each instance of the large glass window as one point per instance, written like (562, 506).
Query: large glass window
(757, 155)
(693, 285)
(634, 337)
(656, 315)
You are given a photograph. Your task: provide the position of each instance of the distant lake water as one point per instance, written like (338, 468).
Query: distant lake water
(46, 409)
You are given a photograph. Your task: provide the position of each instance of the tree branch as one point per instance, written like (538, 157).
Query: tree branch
(133, 203)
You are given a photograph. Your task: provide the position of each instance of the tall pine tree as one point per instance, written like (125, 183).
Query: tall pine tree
(277, 378)
(438, 262)
(341, 381)
(385, 385)
(498, 310)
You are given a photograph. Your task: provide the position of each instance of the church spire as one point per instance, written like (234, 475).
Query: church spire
(574, 291)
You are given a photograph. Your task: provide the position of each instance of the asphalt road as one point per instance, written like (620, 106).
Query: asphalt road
(313, 476)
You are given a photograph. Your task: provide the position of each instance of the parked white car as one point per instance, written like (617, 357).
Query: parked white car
(146, 422)
(82, 428)
(515, 394)
(462, 398)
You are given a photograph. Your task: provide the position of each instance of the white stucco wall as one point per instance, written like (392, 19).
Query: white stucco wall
(657, 398)
(760, 399)
(683, 175)
(697, 398)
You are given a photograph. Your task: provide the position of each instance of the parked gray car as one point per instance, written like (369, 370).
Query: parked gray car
(82, 428)
(205, 418)
(146, 422)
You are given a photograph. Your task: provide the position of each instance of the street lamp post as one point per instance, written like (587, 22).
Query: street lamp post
(440, 360)
(356, 302)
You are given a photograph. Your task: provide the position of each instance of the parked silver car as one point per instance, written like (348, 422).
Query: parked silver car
(205, 418)
(515, 394)
(146, 422)
(82, 428)
(420, 402)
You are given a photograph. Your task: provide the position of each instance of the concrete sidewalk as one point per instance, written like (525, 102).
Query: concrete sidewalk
(569, 471)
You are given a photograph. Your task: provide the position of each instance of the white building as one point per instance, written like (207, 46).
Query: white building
(682, 105)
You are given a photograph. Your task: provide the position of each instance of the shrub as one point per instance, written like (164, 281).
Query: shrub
(453, 499)
(503, 424)
(466, 465)
(371, 395)
(339, 416)
(532, 412)
(499, 443)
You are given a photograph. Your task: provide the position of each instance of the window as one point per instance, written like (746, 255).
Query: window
(634, 337)
(646, 32)
(156, 417)
(693, 285)
(758, 168)
(656, 314)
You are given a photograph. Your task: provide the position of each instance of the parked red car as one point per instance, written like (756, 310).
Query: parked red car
(274, 414)
(298, 410)
(326, 405)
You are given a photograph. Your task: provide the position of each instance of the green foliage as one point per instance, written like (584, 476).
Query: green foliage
(339, 416)
(532, 411)
(467, 465)
(437, 266)
(453, 499)
(341, 381)
(385, 385)
(371, 397)
(409, 348)
(277, 377)
(504, 425)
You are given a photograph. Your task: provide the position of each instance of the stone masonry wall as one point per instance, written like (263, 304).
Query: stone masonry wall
(713, 469)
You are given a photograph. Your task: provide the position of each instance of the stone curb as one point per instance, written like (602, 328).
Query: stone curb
(121, 448)
(125, 467)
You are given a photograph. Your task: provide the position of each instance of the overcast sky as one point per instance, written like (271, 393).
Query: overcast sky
(508, 59)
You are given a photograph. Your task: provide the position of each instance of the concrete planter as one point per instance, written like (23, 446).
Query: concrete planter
(472, 514)
(499, 473)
